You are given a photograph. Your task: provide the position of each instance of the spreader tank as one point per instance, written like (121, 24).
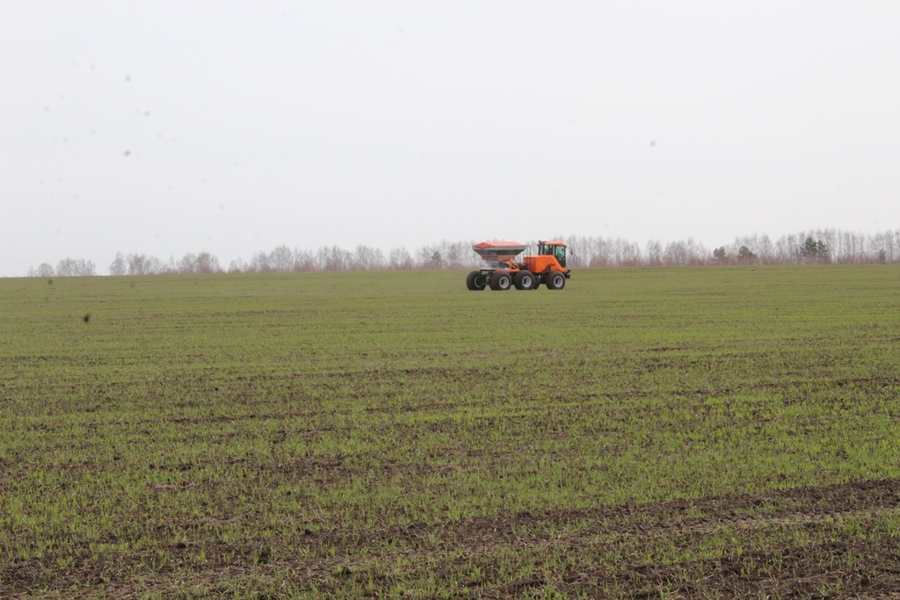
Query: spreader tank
(499, 254)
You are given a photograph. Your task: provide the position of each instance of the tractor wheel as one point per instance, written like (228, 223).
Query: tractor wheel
(556, 280)
(500, 281)
(476, 281)
(524, 280)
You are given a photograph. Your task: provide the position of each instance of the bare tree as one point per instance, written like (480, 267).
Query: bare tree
(156, 266)
(281, 259)
(429, 257)
(765, 250)
(259, 263)
(602, 254)
(367, 259)
(141, 264)
(628, 254)
(188, 264)
(208, 263)
(75, 267)
(400, 259)
(884, 246)
(304, 261)
(788, 249)
(676, 254)
(137, 264)
(117, 266)
(457, 255)
(43, 270)
(333, 258)
(237, 266)
(654, 253)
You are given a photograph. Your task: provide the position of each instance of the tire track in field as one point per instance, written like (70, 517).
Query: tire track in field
(799, 506)
(334, 559)
(431, 548)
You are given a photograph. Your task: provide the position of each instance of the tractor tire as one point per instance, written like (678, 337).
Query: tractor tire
(501, 282)
(556, 280)
(476, 281)
(524, 280)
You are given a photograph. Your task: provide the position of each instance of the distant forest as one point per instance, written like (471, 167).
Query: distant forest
(825, 246)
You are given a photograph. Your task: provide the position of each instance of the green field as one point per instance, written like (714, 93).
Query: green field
(655, 433)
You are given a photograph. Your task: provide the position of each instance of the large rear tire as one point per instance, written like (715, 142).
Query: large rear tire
(524, 280)
(501, 281)
(556, 280)
(476, 281)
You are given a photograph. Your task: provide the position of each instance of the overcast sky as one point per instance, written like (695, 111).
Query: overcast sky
(171, 127)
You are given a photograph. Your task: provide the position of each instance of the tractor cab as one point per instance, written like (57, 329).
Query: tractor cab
(555, 249)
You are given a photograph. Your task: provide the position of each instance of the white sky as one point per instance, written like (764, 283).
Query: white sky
(167, 127)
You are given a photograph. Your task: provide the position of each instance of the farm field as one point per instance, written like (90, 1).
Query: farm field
(644, 433)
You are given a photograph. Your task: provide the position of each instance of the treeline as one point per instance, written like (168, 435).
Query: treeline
(283, 259)
(820, 246)
(67, 267)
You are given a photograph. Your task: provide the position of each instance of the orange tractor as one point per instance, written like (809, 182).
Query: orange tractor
(503, 271)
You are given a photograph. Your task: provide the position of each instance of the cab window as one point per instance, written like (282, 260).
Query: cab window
(561, 255)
